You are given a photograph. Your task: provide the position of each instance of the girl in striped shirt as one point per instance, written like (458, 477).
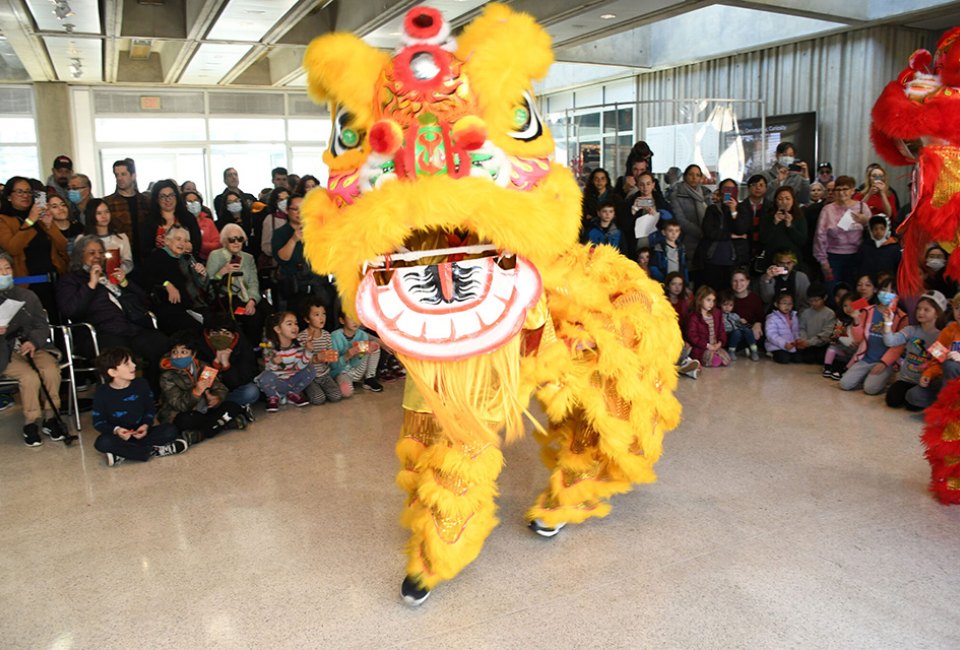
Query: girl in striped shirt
(288, 370)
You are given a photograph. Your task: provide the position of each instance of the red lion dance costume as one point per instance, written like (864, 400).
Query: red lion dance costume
(916, 121)
(454, 236)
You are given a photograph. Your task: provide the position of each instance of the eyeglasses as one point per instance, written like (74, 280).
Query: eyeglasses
(843, 189)
(236, 240)
(164, 197)
(21, 192)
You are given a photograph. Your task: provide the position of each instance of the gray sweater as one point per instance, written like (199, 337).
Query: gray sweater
(915, 356)
(817, 326)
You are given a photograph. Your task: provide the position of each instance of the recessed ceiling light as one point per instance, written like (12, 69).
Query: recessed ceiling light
(608, 16)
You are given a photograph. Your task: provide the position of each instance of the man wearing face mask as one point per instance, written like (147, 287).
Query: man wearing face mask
(79, 195)
(797, 178)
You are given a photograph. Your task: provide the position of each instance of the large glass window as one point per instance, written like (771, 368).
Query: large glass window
(246, 129)
(152, 129)
(157, 163)
(253, 163)
(18, 148)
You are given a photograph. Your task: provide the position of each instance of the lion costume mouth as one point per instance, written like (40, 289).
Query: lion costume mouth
(468, 300)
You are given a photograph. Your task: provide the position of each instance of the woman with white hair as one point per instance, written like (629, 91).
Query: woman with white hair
(234, 273)
(177, 282)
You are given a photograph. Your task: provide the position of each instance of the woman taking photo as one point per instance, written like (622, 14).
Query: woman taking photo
(876, 193)
(166, 210)
(786, 227)
(235, 273)
(726, 237)
(27, 234)
(61, 219)
(100, 223)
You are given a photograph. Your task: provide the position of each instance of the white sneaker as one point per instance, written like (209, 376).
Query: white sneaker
(690, 368)
(113, 460)
(543, 530)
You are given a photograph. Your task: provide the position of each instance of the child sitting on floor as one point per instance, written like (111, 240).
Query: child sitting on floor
(679, 296)
(872, 363)
(841, 346)
(737, 328)
(916, 339)
(123, 413)
(816, 325)
(287, 367)
(358, 357)
(705, 330)
(782, 330)
(317, 342)
(943, 367)
(192, 396)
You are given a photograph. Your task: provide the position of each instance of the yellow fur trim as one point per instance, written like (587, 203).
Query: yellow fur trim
(503, 52)
(539, 225)
(342, 69)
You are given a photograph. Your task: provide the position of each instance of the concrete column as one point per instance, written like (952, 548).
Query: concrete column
(54, 123)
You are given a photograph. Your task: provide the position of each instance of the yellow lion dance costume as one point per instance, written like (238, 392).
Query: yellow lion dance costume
(454, 236)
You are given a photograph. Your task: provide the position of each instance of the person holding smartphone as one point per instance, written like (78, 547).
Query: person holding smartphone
(234, 274)
(877, 195)
(28, 234)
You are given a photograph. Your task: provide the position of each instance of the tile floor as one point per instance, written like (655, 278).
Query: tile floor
(788, 515)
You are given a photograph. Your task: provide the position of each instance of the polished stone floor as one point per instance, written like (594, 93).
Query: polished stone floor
(788, 515)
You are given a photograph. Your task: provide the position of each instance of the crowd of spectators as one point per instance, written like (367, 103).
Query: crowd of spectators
(196, 312)
(797, 267)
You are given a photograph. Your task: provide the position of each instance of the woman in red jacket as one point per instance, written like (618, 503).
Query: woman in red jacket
(705, 331)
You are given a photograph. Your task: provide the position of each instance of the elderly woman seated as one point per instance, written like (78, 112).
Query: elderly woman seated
(177, 282)
(115, 307)
(234, 273)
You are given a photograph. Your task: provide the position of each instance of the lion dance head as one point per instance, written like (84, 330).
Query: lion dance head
(442, 202)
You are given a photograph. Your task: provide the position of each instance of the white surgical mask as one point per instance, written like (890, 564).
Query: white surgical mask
(193, 207)
(936, 263)
(786, 161)
(282, 205)
(234, 208)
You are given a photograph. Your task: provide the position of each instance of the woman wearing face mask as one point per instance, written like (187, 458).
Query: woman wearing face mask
(210, 235)
(178, 283)
(934, 266)
(27, 335)
(166, 210)
(781, 174)
(27, 234)
(233, 209)
(100, 223)
(273, 216)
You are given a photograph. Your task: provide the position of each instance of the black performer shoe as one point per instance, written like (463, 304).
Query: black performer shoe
(412, 593)
(539, 528)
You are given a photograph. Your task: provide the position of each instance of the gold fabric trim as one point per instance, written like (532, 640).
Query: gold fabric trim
(953, 483)
(948, 183)
(449, 528)
(951, 432)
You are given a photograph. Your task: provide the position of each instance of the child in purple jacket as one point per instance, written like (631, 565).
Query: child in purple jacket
(782, 330)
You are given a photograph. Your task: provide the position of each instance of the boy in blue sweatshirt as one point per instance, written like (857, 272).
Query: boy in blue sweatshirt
(123, 413)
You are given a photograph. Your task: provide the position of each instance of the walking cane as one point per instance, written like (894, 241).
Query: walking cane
(68, 437)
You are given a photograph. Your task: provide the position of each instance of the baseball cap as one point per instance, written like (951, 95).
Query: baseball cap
(61, 162)
(825, 165)
(938, 298)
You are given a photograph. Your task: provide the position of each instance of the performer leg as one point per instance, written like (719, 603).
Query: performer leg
(450, 507)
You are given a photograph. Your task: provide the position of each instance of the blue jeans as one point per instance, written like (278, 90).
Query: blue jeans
(244, 395)
(743, 335)
(921, 397)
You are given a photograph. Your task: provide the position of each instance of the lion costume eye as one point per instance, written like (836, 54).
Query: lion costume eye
(526, 120)
(344, 137)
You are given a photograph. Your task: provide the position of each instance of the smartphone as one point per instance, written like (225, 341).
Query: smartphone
(645, 203)
(113, 263)
(727, 196)
(40, 198)
(235, 259)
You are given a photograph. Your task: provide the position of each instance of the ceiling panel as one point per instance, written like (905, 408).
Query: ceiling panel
(11, 67)
(85, 15)
(249, 20)
(77, 60)
(211, 62)
(606, 17)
